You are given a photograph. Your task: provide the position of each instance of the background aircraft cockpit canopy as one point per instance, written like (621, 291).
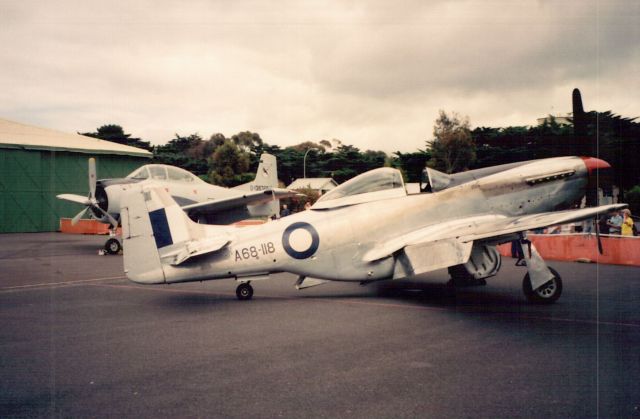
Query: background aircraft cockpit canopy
(163, 172)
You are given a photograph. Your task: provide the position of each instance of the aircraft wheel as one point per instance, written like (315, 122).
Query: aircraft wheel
(546, 294)
(244, 291)
(112, 246)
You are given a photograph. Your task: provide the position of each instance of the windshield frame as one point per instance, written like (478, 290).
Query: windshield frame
(377, 182)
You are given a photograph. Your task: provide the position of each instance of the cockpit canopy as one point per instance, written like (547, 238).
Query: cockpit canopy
(165, 173)
(373, 185)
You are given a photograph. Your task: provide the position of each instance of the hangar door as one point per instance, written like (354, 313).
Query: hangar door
(31, 179)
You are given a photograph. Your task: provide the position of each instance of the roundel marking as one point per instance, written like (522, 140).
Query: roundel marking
(300, 254)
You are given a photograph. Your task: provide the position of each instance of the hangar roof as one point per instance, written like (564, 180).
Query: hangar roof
(21, 136)
(316, 183)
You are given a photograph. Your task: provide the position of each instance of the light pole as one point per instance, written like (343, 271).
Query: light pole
(304, 164)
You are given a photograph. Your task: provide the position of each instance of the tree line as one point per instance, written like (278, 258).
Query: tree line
(453, 147)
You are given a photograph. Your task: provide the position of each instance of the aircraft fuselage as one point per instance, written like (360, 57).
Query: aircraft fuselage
(331, 243)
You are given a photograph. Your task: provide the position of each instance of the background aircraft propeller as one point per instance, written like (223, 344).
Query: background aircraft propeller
(90, 202)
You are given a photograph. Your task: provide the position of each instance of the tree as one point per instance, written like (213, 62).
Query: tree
(618, 140)
(228, 165)
(411, 164)
(115, 134)
(185, 152)
(326, 144)
(452, 149)
(310, 145)
(632, 197)
(247, 140)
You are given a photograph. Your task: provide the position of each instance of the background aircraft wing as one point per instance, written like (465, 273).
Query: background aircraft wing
(249, 198)
(485, 226)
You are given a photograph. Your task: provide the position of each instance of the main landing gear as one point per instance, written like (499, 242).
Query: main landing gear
(541, 284)
(548, 293)
(244, 291)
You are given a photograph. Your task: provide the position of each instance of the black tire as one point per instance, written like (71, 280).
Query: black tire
(112, 246)
(546, 294)
(244, 291)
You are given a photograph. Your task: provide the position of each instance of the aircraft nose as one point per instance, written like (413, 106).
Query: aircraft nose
(593, 164)
(599, 177)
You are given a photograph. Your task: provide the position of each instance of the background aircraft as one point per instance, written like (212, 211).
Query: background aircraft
(202, 201)
(370, 229)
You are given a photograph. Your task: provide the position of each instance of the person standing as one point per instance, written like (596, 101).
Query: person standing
(615, 223)
(627, 223)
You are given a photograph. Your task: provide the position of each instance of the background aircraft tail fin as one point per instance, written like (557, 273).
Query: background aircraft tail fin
(266, 175)
(266, 179)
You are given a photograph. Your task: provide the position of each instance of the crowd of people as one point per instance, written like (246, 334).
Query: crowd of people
(620, 223)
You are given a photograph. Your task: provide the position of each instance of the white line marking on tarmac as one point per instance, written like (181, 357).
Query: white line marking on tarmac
(54, 284)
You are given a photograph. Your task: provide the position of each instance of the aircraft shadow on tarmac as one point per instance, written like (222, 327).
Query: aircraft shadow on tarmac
(416, 292)
(193, 302)
(442, 294)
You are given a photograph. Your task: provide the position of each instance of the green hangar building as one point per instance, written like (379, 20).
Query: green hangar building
(36, 164)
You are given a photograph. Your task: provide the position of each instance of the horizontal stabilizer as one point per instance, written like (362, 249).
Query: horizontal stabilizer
(200, 247)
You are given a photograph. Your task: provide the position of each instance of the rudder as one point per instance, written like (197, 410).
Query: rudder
(152, 224)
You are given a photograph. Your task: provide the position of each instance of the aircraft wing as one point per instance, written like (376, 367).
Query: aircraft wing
(249, 198)
(529, 222)
(485, 226)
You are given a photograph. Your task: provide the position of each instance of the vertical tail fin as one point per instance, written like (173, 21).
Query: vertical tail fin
(153, 225)
(266, 178)
(266, 175)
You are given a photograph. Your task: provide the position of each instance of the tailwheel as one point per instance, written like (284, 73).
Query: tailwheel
(244, 291)
(547, 293)
(112, 246)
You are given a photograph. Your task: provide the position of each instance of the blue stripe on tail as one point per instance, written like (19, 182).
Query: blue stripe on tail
(160, 226)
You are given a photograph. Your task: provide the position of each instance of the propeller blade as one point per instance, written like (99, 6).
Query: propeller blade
(112, 220)
(78, 216)
(78, 199)
(92, 178)
(598, 237)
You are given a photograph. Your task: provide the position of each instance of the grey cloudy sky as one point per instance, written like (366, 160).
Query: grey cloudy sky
(370, 73)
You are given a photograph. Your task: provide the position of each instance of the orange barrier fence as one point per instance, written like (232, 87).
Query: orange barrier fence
(84, 227)
(247, 223)
(617, 250)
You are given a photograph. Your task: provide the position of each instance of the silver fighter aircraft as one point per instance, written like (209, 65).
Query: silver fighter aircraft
(370, 229)
(203, 202)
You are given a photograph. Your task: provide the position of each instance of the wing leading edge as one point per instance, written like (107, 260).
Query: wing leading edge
(482, 227)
